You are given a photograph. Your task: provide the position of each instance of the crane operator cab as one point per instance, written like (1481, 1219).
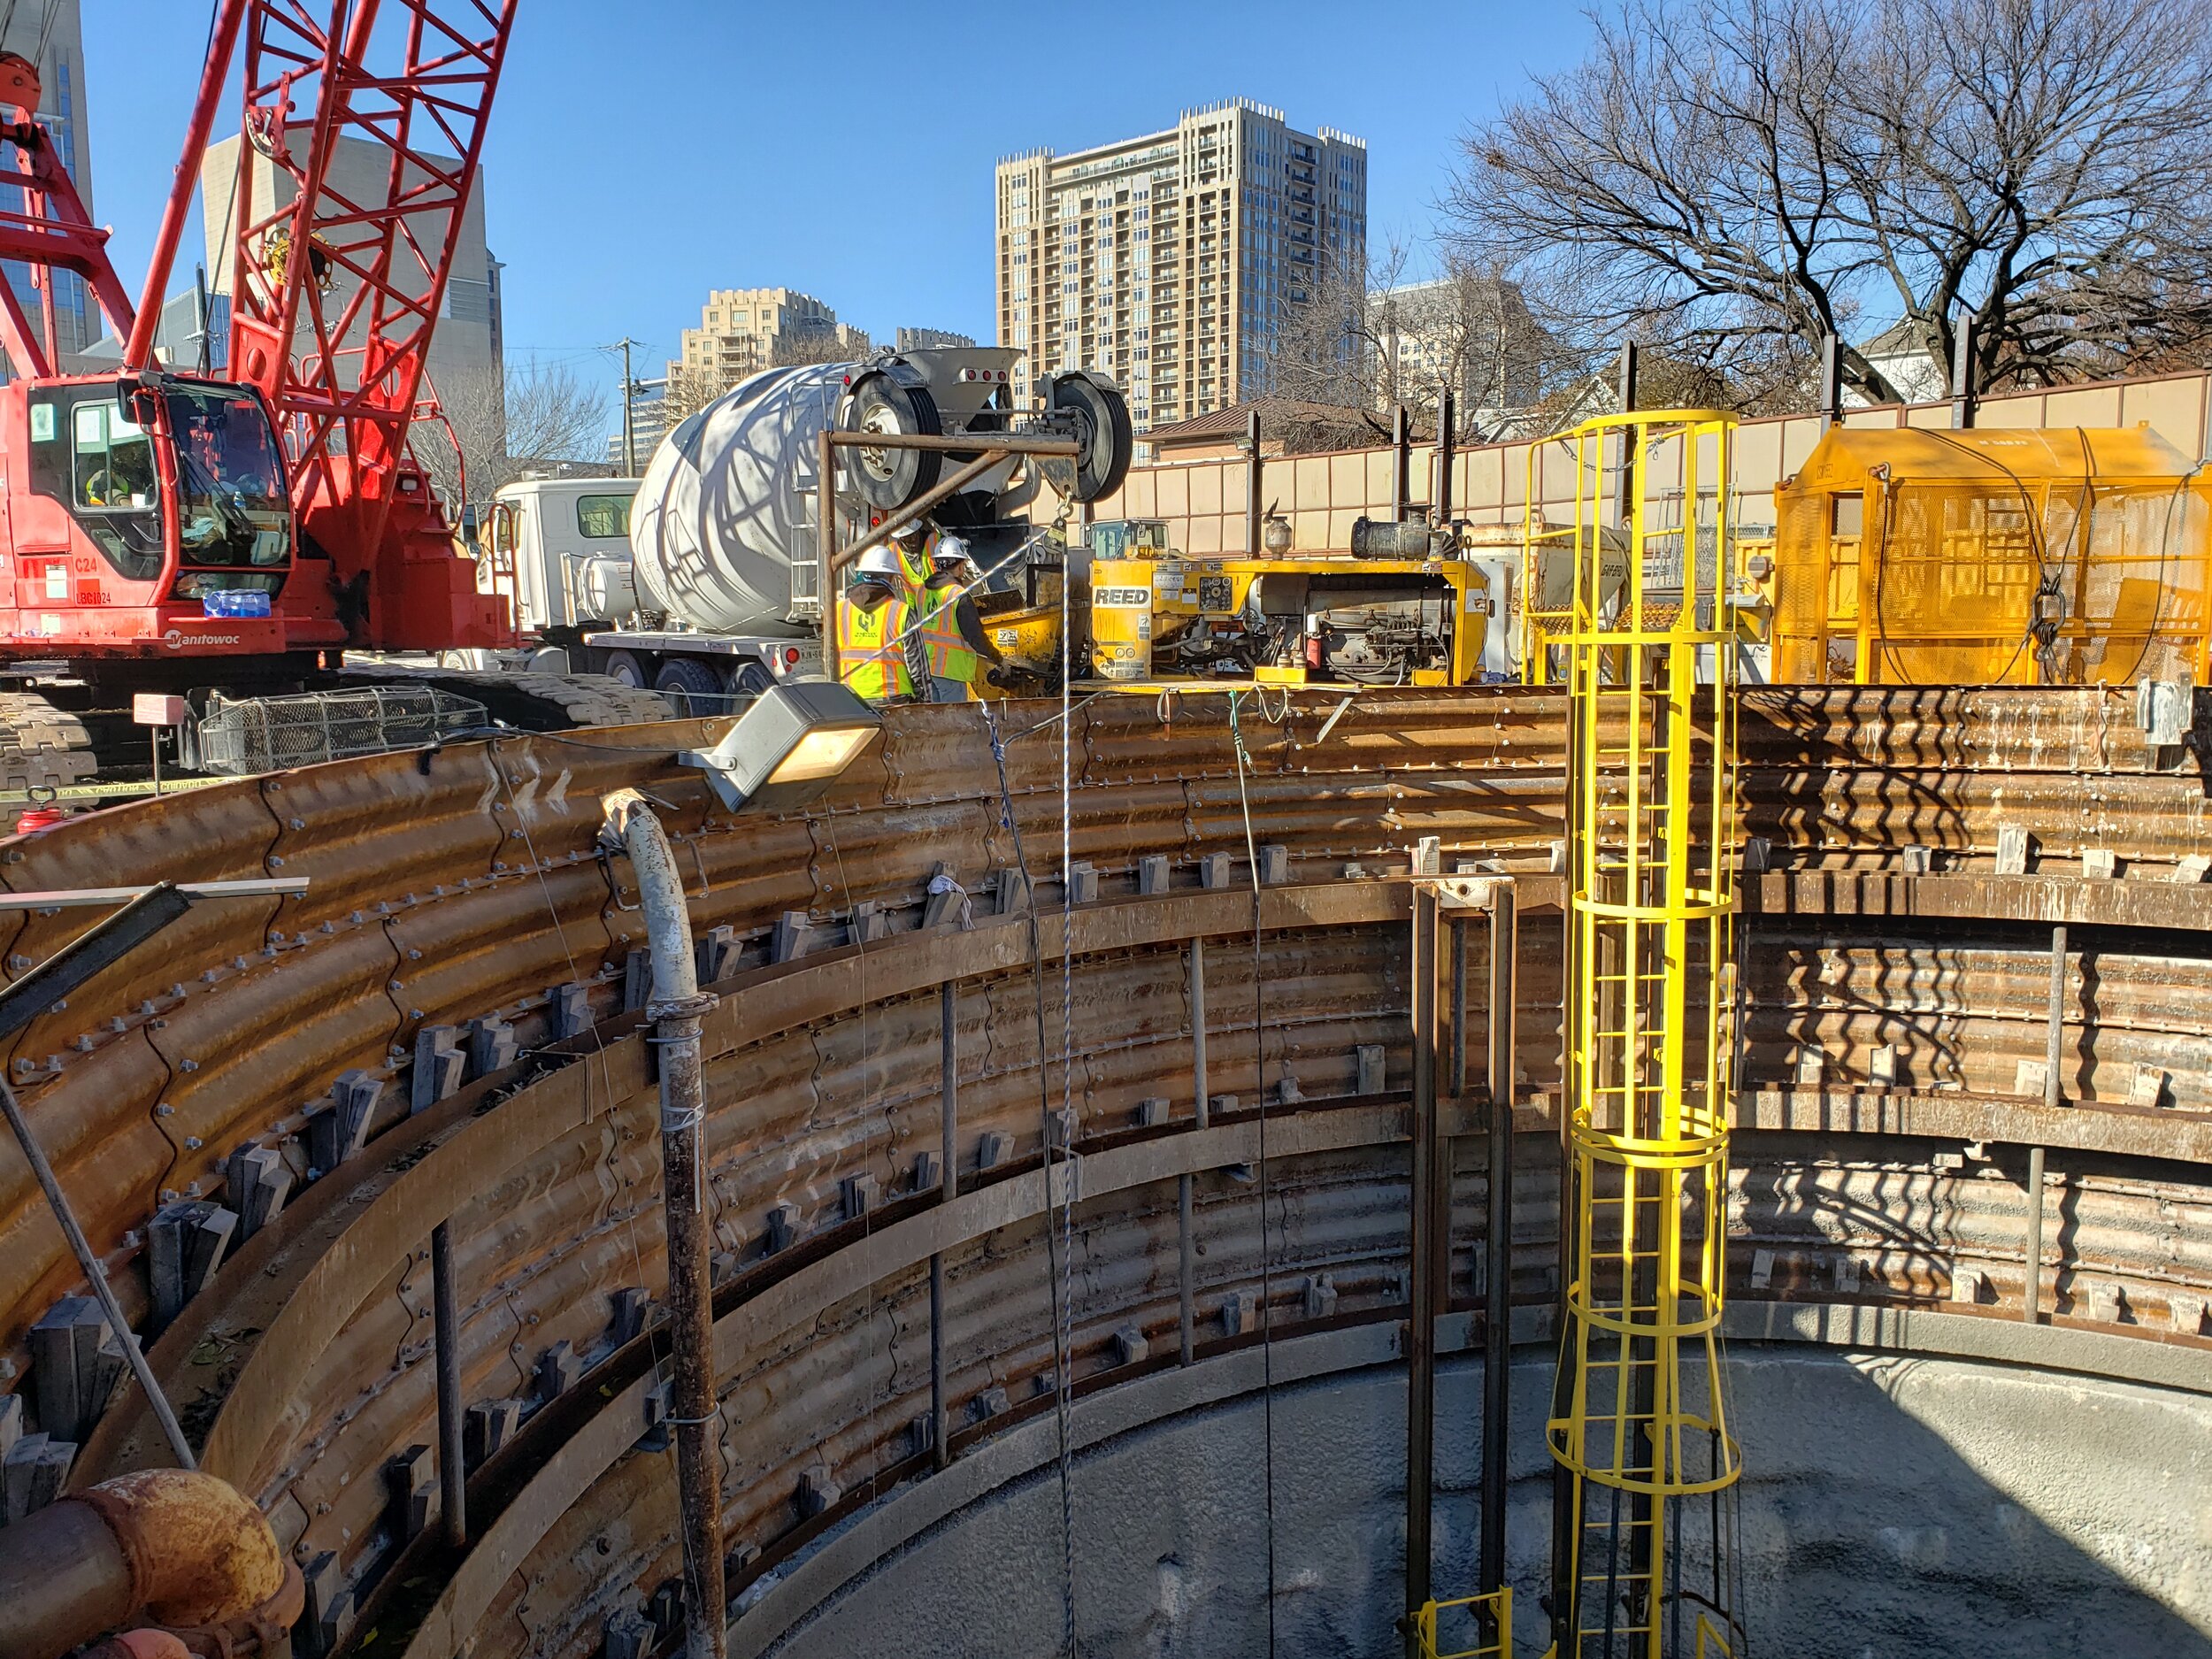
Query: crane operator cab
(150, 504)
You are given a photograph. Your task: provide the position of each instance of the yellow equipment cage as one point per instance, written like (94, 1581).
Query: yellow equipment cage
(2065, 555)
(1643, 1557)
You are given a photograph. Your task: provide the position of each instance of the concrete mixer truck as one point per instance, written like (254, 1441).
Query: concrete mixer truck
(720, 594)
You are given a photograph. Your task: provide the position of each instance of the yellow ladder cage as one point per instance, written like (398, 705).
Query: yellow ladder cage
(1643, 1557)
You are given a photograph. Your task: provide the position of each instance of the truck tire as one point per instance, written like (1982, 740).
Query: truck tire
(1102, 419)
(625, 669)
(693, 687)
(887, 480)
(42, 747)
(749, 680)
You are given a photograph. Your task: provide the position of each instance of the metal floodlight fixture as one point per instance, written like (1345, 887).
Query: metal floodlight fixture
(789, 747)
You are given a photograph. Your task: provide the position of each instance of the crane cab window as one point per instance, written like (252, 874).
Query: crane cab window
(88, 454)
(111, 459)
(603, 518)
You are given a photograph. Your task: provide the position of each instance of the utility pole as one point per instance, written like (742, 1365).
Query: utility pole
(629, 430)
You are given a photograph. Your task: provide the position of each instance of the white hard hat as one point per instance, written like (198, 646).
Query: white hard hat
(877, 562)
(905, 528)
(950, 549)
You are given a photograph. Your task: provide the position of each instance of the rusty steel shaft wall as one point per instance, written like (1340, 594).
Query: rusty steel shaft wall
(456, 987)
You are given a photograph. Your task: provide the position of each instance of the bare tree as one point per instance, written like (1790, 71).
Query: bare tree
(1337, 346)
(1732, 182)
(1369, 340)
(795, 348)
(533, 417)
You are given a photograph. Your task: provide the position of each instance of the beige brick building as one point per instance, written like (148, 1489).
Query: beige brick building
(1172, 260)
(741, 331)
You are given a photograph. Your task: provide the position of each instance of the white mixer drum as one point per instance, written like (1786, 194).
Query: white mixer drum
(722, 514)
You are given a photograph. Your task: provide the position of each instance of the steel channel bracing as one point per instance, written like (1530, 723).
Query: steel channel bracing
(464, 886)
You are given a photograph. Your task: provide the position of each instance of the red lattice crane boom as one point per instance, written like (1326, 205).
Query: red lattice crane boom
(369, 118)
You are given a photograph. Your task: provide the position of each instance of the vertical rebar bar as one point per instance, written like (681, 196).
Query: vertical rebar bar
(2054, 1091)
(2031, 1310)
(452, 1470)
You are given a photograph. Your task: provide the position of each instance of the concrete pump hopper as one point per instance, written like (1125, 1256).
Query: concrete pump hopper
(2057, 556)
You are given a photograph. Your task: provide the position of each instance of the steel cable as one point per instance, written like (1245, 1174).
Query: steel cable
(1011, 822)
(1259, 1083)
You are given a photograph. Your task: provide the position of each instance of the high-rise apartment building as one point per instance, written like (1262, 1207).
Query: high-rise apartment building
(49, 33)
(1175, 261)
(924, 339)
(741, 331)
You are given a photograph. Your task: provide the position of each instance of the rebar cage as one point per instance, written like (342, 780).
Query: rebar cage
(1640, 1424)
(247, 736)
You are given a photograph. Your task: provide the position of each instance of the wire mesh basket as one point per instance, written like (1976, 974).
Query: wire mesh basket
(258, 734)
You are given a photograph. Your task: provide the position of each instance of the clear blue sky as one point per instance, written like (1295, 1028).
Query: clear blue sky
(644, 152)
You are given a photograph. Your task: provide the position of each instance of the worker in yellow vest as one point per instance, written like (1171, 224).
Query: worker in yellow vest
(915, 542)
(951, 628)
(872, 642)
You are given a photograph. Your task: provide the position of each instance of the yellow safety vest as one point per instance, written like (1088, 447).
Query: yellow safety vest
(871, 661)
(949, 656)
(919, 568)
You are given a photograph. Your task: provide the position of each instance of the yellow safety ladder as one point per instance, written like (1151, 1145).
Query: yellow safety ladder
(1639, 1418)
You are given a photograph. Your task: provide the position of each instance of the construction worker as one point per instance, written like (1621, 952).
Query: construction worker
(951, 629)
(915, 540)
(872, 642)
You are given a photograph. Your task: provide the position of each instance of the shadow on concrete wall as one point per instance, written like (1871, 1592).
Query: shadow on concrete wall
(1890, 1506)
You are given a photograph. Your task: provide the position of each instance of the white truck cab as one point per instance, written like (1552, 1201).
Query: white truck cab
(564, 545)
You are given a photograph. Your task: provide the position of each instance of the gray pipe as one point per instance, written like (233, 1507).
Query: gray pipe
(676, 1009)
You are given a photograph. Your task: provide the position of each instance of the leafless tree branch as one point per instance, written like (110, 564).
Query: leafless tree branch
(1731, 182)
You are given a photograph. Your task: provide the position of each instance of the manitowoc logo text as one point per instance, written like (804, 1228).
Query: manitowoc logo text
(176, 638)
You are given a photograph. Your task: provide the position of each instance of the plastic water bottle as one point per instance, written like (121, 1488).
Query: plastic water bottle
(233, 602)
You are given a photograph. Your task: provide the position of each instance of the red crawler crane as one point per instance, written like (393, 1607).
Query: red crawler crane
(228, 539)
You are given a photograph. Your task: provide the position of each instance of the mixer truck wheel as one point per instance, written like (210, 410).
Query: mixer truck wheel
(1101, 422)
(888, 479)
(624, 669)
(694, 687)
(750, 680)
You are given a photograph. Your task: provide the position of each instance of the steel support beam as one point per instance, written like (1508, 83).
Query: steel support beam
(1421, 1312)
(1497, 1284)
(948, 1165)
(1187, 1244)
(1253, 468)
(1401, 465)
(452, 1470)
